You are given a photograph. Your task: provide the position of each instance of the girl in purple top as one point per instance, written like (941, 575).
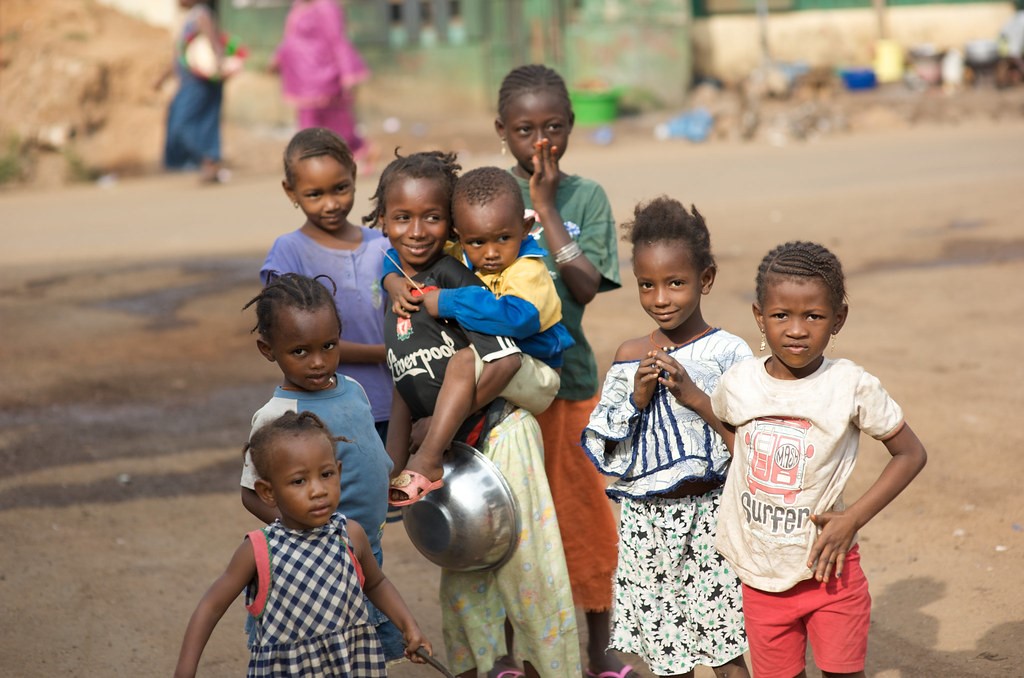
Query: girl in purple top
(319, 179)
(320, 68)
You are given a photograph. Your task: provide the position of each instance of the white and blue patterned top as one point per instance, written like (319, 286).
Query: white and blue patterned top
(315, 621)
(665, 444)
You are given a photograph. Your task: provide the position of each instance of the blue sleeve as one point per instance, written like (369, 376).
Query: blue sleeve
(389, 264)
(549, 345)
(477, 309)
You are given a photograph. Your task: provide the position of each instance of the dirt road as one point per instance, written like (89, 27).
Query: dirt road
(130, 376)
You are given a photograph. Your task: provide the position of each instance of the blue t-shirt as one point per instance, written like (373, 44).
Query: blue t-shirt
(365, 465)
(360, 299)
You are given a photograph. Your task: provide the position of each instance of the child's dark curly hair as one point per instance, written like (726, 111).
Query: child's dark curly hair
(293, 291)
(529, 79)
(801, 259)
(314, 142)
(436, 165)
(261, 445)
(666, 220)
(483, 185)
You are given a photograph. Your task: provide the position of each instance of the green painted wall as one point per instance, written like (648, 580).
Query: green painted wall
(458, 61)
(258, 27)
(643, 48)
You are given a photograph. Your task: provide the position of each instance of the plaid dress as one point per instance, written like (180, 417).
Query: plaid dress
(315, 621)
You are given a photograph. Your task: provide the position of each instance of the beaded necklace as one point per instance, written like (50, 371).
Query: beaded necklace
(672, 347)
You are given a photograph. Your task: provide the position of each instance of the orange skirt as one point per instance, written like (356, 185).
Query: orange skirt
(585, 518)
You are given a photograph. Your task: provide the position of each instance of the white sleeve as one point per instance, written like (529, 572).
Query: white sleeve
(877, 414)
(614, 419)
(274, 408)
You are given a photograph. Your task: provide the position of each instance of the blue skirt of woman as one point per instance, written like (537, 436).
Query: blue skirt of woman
(193, 123)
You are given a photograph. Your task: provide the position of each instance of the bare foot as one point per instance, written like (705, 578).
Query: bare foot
(418, 464)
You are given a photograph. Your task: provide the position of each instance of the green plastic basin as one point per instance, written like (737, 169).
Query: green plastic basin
(595, 107)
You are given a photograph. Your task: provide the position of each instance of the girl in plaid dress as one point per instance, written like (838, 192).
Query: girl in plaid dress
(305, 574)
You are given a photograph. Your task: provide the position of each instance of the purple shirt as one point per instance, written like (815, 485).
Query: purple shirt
(360, 299)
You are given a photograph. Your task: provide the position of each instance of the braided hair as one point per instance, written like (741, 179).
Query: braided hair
(437, 165)
(291, 290)
(800, 259)
(483, 185)
(529, 79)
(666, 220)
(261, 445)
(314, 142)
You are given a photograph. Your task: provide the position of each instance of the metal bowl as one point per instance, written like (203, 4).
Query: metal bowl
(472, 522)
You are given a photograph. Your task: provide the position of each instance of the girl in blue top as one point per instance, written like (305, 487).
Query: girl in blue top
(677, 602)
(298, 328)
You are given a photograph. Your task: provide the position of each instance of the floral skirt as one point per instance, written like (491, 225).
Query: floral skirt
(677, 601)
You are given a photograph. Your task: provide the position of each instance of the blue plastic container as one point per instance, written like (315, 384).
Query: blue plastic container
(858, 78)
(694, 125)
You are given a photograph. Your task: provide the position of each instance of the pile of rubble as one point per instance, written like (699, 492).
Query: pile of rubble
(780, 105)
(78, 89)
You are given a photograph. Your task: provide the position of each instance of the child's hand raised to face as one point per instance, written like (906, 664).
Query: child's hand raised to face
(546, 175)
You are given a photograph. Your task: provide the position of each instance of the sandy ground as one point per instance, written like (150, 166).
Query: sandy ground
(130, 376)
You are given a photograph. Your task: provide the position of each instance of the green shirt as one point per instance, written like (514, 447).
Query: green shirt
(588, 218)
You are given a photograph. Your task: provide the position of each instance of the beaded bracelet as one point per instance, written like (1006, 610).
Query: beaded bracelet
(567, 253)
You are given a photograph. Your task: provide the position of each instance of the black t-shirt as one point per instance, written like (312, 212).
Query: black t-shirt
(418, 348)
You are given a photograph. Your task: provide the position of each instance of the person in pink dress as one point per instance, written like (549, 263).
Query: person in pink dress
(320, 69)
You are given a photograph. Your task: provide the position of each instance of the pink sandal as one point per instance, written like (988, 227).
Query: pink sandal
(624, 672)
(414, 486)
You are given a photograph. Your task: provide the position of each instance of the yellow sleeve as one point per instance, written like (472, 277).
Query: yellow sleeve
(528, 279)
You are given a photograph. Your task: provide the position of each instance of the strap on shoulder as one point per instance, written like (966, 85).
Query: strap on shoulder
(359, 568)
(352, 554)
(261, 552)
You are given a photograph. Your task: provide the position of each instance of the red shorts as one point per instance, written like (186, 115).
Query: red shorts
(834, 615)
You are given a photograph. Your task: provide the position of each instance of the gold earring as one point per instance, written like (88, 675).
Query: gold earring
(504, 147)
(764, 343)
(295, 204)
(833, 346)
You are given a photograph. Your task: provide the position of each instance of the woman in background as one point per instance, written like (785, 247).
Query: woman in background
(320, 69)
(193, 119)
